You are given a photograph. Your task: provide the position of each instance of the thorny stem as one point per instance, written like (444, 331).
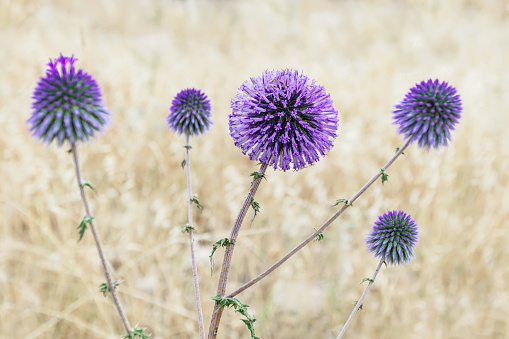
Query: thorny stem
(322, 228)
(359, 303)
(223, 278)
(98, 243)
(191, 243)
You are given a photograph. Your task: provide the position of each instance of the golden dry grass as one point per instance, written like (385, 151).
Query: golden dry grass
(367, 54)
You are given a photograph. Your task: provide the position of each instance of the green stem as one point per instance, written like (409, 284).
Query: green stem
(98, 243)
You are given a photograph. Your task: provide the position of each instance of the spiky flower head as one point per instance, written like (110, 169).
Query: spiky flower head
(393, 237)
(283, 118)
(428, 113)
(189, 112)
(67, 104)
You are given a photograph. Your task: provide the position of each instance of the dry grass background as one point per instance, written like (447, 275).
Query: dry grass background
(367, 54)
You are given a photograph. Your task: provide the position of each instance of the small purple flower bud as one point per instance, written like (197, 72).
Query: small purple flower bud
(189, 112)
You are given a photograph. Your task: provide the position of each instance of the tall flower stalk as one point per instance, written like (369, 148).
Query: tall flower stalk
(393, 240)
(282, 119)
(68, 107)
(189, 115)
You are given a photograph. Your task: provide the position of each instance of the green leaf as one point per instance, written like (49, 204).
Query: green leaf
(366, 279)
(384, 176)
(397, 150)
(104, 288)
(197, 202)
(137, 332)
(256, 208)
(257, 176)
(239, 307)
(89, 185)
(319, 237)
(83, 226)
(220, 243)
(188, 147)
(344, 201)
(183, 163)
(187, 228)
(355, 303)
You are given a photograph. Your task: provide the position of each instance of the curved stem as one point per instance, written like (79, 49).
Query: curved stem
(98, 243)
(359, 303)
(191, 243)
(223, 278)
(321, 229)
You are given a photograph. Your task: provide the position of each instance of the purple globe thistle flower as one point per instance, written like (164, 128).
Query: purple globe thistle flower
(428, 113)
(393, 237)
(189, 112)
(67, 104)
(283, 118)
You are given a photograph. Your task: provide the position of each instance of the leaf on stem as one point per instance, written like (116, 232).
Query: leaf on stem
(344, 201)
(187, 228)
(137, 332)
(366, 279)
(384, 176)
(257, 176)
(188, 147)
(397, 150)
(183, 163)
(83, 225)
(197, 202)
(89, 185)
(256, 207)
(319, 237)
(239, 307)
(220, 243)
(355, 303)
(104, 288)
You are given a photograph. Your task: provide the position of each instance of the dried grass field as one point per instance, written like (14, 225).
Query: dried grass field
(367, 54)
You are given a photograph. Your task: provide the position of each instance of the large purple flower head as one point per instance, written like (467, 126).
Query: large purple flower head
(428, 113)
(67, 104)
(189, 112)
(283, 118)
(393, 237)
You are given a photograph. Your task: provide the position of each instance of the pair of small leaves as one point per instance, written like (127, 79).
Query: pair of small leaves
(220, 243)
(257, 176)
(137, 332)
(239, 307)
(187, 228)
(104, 288)
(342, 201)
(83, 225)
(184, 163)
(319, 237)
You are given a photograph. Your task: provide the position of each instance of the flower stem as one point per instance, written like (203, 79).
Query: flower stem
(359, 303)
(191, 243)
(322, 228)
(98, 243)
(223, 278)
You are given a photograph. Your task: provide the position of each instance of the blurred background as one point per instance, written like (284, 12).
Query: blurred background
(367, 54)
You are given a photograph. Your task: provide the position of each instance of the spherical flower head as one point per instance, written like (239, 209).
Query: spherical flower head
(283, 118)
(393, 237)
(67, 104)
(428, 113)
(189, 112)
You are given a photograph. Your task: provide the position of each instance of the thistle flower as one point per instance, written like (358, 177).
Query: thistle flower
(393, 237)
(428, 113)
(283, 118)
(189, 112)
(67, 104)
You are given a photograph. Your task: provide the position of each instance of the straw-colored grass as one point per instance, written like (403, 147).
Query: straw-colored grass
(366, 54)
